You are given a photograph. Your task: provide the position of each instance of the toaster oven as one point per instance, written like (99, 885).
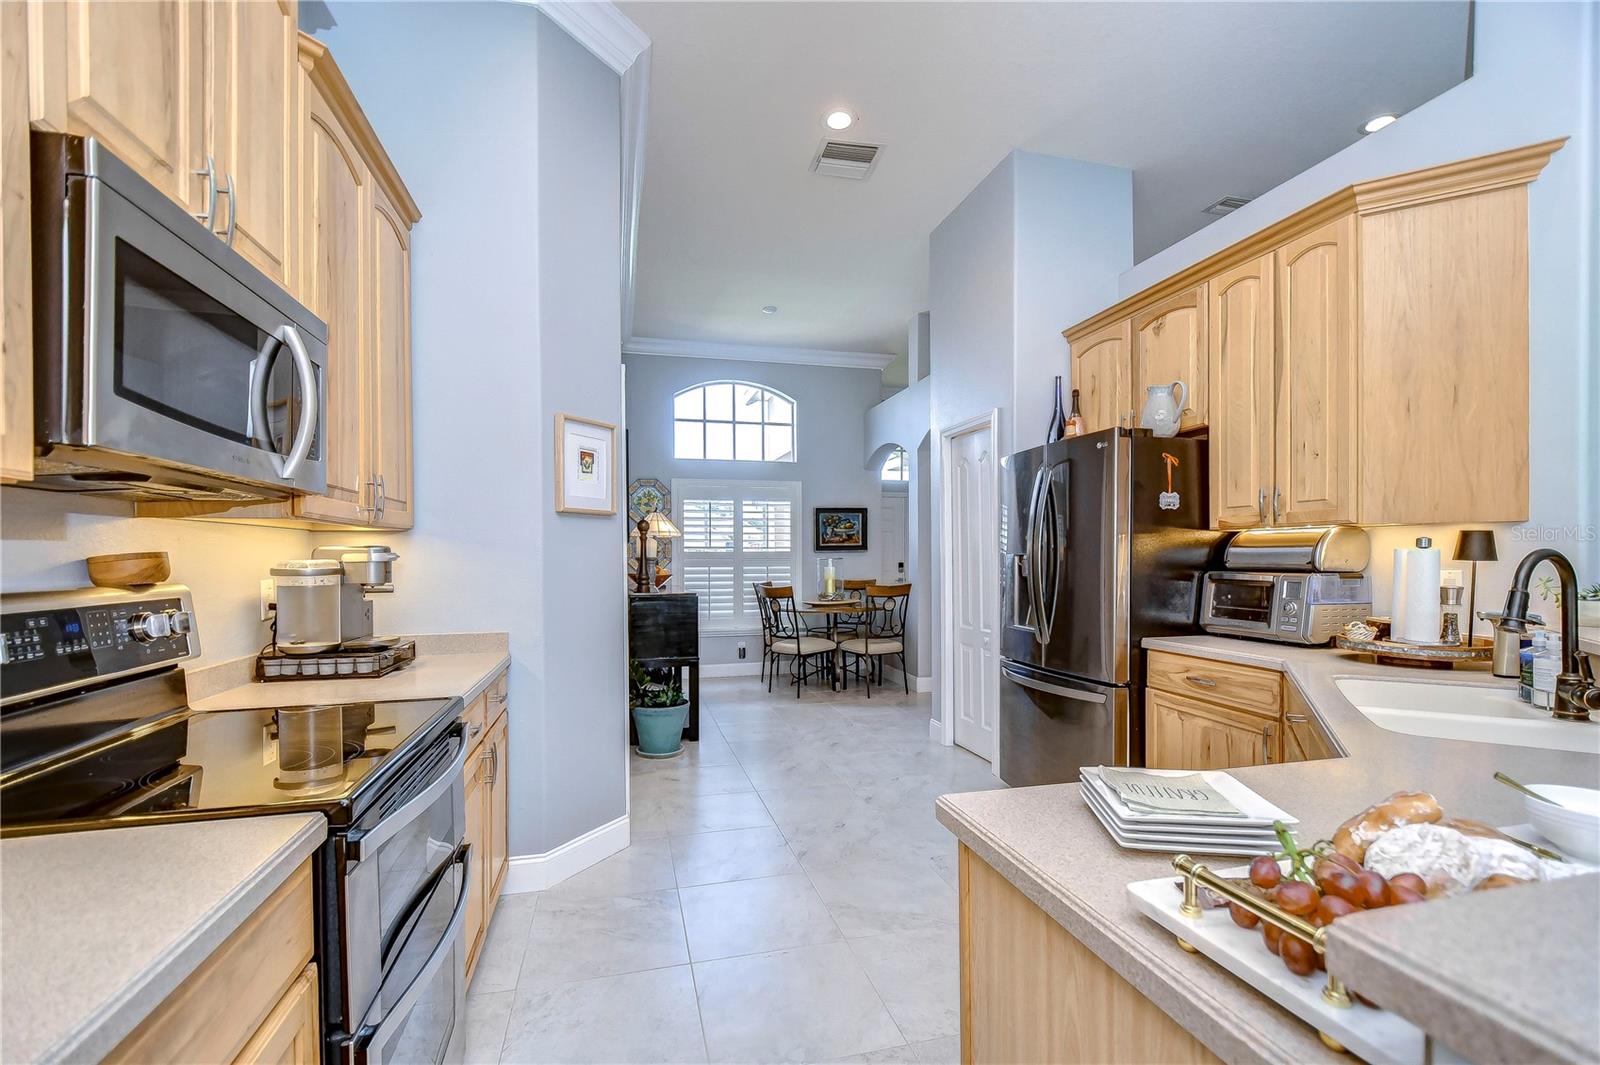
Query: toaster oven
(1305, 608)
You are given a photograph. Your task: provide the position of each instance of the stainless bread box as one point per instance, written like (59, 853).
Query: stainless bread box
(1311, 549)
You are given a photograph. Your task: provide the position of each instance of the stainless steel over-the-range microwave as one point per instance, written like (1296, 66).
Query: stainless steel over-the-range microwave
(166, 366)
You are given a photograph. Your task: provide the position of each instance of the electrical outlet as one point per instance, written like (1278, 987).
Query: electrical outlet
(741, 652)
(267, 604)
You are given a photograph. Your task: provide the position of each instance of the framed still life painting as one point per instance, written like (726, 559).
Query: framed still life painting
(586, 466)
(841, 528)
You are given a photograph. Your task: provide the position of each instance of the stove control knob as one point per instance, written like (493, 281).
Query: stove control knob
(146, 626)
(179, 622)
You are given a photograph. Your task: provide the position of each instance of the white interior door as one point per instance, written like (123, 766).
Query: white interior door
(970, 480)
(894, 545)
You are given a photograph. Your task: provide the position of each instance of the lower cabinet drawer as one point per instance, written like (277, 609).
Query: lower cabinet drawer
(1239, 687)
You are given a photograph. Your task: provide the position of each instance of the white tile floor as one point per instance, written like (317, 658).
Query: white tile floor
(788, 896)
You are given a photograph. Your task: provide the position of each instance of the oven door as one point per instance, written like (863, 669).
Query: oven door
(419, 1016)
(393, 859)
(191, 356)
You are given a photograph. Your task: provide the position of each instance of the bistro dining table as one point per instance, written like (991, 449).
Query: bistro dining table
(832, 609)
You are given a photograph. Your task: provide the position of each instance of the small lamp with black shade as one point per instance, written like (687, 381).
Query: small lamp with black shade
(1475, 546)
(652, 526)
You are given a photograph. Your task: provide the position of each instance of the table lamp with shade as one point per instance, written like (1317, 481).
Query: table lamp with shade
(652, 526)
(1475, 546)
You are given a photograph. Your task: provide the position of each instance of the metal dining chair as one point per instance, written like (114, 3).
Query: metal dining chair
(885, 633)
(766, 624)
(790, 638)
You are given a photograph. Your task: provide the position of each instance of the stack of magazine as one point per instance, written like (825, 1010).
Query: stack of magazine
(1181, 810)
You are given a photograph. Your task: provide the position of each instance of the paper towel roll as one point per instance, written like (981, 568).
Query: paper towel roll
(1414, 617)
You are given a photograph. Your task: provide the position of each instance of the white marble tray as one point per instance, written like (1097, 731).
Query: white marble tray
(1377, 1036)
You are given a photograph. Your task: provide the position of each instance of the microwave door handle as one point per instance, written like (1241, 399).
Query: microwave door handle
(362, 844)
(398, 1013)
(259, 428)
(307, 431)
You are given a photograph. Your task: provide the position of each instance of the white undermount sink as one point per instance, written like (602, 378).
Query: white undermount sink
(1473, 712)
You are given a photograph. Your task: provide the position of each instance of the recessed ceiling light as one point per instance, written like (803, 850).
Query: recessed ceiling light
(839, 120)
(769, 310)
(1377, 122)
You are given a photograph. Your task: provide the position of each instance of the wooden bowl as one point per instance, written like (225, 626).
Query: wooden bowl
(129, 570)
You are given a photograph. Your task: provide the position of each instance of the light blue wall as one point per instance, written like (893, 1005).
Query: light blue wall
(1536, 76)
(831, 404)
(507, 134)
(1039, 240)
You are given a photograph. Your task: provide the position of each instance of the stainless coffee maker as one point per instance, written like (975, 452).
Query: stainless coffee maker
(322, 601)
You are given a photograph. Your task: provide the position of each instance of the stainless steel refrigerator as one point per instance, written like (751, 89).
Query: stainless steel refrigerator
(1105, 543)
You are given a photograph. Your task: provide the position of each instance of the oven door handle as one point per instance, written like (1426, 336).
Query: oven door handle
(365, 842)
(307, 432)
(396, 1014)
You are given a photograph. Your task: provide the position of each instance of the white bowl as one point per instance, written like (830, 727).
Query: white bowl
(1574, 826)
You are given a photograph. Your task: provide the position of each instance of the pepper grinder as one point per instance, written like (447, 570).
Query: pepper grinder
(1450, 614)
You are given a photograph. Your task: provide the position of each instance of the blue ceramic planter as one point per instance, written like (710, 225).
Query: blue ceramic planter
(660, 729)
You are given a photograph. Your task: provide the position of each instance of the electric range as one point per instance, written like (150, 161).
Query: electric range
(96, 733)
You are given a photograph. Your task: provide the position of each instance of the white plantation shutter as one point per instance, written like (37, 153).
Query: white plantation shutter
(735, 533)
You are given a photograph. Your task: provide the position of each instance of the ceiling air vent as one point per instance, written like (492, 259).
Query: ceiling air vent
(1226, 205)
(844, 159)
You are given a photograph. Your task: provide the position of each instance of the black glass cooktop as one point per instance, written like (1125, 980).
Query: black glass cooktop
(222, 763)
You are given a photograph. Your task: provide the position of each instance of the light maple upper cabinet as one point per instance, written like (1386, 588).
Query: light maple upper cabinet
(1241, 381)
(1169, 344)
(1365, 359)
(389, 363)
(252, 126)
(16, 273)
(335, 190)
(1316, 423)
(134, 75)
(1100, 372)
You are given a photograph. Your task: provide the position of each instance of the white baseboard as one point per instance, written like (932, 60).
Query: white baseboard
(920, 685)
(936, 730)
(535, 872)
(732, 669)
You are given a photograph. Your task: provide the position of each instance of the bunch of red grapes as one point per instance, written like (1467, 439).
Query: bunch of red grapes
(1335, 886)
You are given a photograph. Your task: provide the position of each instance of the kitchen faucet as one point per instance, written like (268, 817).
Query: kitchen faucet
(1576, 691)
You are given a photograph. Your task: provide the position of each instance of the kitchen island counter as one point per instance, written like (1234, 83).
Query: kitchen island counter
(98, 928)
(1045, 842)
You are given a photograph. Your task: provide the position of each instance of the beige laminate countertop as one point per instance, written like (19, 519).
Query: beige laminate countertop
(460, 664)
(1045, 841)
(98, 928)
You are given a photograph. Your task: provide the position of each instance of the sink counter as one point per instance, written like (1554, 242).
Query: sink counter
(100, 927)
(1047, 844)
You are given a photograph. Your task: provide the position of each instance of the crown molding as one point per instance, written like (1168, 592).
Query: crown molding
(705, 349)
(601, 28)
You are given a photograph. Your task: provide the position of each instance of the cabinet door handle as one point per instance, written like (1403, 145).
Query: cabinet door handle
(1297, 719)
(383, 499)
(494, 764)
(233, 211)
(1203, 682)
(210, 174)
(1261, 505)
(475, 730)
(1266, 745)
(1277, 496)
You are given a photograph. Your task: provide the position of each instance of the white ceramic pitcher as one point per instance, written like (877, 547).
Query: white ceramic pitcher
(1163, 408)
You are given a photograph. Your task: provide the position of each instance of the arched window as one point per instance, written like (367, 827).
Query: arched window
(895, 468)
(733, 420)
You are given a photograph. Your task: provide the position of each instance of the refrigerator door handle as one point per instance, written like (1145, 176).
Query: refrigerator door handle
(1050, 689)
(1058, 521)
(1036, 526)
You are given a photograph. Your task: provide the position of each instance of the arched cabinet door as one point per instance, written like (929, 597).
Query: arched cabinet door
(389, 361)
(1169, 344)
(1241, 374)
(1100, 373)
(1316, 408)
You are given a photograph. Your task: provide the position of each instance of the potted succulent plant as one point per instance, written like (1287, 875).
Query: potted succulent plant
(659, 713)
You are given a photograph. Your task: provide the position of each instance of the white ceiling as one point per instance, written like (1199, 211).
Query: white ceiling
(1200, 100)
